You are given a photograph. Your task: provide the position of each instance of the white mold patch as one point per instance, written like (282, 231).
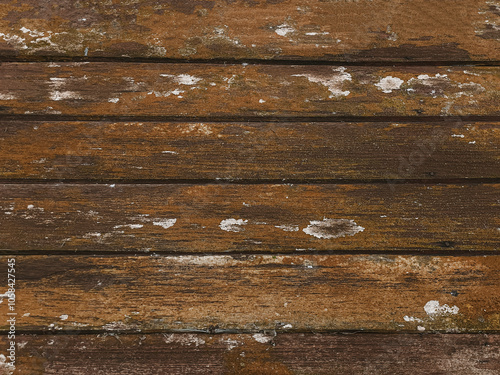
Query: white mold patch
(183, 339)
(433, 308)
(131, 226)
(233, 225)
(412, 319)
(200, 128)
(7, 366)
(231, 344)
(64, 317)
(14, 39)
(206, 261)
(64, 95)
(113, 326)
(284, 29)
(113, 100)
(288, 228)
(32, 33)
(262, 338)
(389, 83)
(427, 80)
(332, 228)
(7, 96)
(333, 83)
(22, 344)
(57, 82)
(165, 94)
(312, 33)
(164, 223)
(183, 79)
(5, 295)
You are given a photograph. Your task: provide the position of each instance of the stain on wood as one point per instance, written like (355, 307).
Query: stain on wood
(283, 354)
(394, 30)
(246, 218)
(257, 292)
(249, 151)
(200, 186)
(238, 91)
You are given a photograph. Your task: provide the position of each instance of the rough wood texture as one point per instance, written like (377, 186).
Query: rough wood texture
(236, 91)
(246, 218)
(250, 151)
(297, 293)
(378, 30)
(284, 354)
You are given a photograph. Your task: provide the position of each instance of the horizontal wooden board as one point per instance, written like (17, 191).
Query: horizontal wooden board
(261, 353)
(250, 151)
(239, 91)
(228, 217)
(394, 30)
(255, 292)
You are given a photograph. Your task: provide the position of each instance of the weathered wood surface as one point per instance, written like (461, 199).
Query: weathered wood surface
(256, 292)
(261, 353)
(379, 30)
(250, 151)
(239, 91)
(233, 217)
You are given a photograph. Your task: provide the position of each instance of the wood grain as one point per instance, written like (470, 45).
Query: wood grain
(243, 91)
(247, 218)
(256, 292)
(249, 151)
(283, 354)
(379, 30)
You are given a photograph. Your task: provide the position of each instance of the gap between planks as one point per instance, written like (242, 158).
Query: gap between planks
(450, 120)
(236, 181)
(135, 60)
(366, 252)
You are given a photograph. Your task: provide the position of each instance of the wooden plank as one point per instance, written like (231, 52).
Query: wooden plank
(255, 292)
(250, 151)
(228, 217)
(379, 30)
(236, 91)
(174, 354)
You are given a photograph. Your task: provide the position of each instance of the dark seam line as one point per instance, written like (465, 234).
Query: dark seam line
(249, 119)
(239, 331)
(243, 181)
(238, 254)
(228, 61)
